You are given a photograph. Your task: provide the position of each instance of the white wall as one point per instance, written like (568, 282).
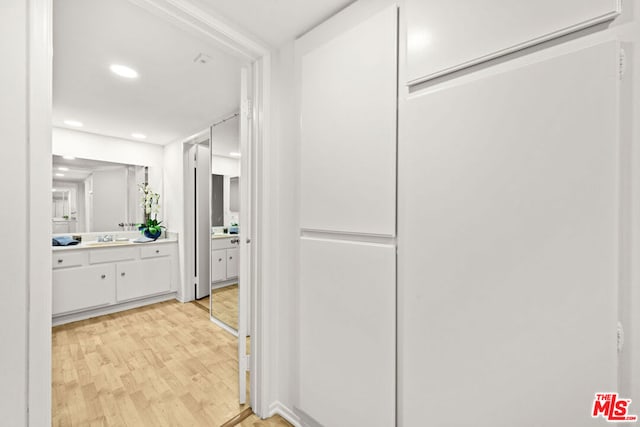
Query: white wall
(99, 147)
(25, 179)
(283, 312)
(225, 166)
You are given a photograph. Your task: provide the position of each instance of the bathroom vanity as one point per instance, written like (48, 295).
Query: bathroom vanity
(92, 278)
(225, 256)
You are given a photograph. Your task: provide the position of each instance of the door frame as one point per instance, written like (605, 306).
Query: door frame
(40, 76)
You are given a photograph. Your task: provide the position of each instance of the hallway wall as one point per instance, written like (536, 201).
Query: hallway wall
(25, 126)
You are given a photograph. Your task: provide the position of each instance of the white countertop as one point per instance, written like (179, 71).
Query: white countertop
(97, 245)
(223, 236)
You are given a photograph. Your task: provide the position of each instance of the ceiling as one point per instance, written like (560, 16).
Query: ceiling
(173, 97)
(273, 21)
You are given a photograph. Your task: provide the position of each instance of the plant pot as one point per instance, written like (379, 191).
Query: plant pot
(151, 235)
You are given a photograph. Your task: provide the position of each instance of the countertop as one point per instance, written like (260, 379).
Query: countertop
(223, 236)
(97, 245)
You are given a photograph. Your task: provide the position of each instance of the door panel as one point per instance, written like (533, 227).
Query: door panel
(203, 219)
(348, 130)
(445, 36)
(347, 333)
(508, 254)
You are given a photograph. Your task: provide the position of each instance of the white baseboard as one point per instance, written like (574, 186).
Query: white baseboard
(224, 284)
(101, 311)
(277, 408)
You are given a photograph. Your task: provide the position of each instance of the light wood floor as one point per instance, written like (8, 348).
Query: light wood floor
(160, 365)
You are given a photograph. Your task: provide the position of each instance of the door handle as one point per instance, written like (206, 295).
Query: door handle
(235, 241)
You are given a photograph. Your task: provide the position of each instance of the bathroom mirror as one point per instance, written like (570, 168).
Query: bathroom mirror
(96, 196)
(225, 215)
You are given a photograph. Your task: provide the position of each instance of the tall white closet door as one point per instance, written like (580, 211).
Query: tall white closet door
(508, 244)
(347, 246)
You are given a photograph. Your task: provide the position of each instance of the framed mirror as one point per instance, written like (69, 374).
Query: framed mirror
(96, 196)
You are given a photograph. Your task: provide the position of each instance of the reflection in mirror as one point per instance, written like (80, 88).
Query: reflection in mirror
(225, 207)
(95, 196)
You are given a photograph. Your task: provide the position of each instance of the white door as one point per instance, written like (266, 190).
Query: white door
(200, 171)
(508, 230)
(244, 239)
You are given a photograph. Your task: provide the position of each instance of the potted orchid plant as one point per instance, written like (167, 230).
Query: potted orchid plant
(150, 202)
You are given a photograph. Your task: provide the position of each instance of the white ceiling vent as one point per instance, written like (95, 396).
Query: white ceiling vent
(202, 59)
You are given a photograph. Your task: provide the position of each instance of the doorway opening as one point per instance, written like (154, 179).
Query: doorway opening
(193, 260)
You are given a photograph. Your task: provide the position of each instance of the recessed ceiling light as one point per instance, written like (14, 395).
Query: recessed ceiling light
(234, 154)
(73, 123)
(139, 135)
(123, 71)
(68, 157)
(63, 169)
(59, 174)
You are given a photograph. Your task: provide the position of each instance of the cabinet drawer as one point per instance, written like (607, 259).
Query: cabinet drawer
(155, 251)
(97, 256)
(68, 259)
(223, 243)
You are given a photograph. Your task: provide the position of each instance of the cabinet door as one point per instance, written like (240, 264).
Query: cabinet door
(218, 265)
(233, 256)
(138, 279)
(347, 301)
(82, 288)
(509, 226)
(348, 130)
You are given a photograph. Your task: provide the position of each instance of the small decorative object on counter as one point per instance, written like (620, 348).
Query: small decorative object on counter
(63, 241)
(150, 201)
(233, 229)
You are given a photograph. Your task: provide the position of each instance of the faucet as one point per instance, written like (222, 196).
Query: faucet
(105, 238)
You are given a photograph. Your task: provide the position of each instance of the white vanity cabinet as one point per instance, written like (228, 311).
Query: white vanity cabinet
(90, 281)
(83, 288)
(137, 279)
(233, 257)
(218, 265)
(225, 257)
